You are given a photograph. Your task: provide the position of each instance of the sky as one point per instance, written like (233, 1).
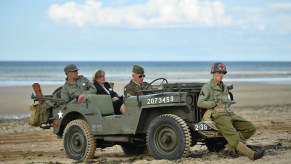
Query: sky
(145, 30)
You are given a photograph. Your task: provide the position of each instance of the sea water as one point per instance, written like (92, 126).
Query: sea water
(26, 73)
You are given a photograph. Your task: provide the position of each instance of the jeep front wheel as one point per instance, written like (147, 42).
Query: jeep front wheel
(79, 143)
(168, 137)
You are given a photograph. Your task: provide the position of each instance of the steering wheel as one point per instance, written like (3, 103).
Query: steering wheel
(163, 79)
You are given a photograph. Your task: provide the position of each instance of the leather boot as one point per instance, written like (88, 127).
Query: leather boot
(229, 151)
(259, 154)
(242, 148)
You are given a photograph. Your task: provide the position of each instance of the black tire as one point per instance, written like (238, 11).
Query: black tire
(168, 137)
(79, 143)
(132, 149)
(215, 144)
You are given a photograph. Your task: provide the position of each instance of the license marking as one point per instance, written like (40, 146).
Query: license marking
(201, 126)
(160, 100)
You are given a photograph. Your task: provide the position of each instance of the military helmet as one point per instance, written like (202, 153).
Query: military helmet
(218, 67)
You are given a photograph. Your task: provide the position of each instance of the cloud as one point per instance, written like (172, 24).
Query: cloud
(153, 13)
(274, 17)
(280, 6)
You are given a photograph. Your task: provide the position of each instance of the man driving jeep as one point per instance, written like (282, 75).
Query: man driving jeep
(136, 83)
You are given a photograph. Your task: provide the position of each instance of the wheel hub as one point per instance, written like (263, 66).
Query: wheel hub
(166, 139)
(77, 142)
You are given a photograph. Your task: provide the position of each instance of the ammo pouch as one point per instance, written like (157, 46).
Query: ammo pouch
(39, 113)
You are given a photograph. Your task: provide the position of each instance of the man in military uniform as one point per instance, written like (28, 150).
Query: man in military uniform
(234, 128)
(76, 87)
(136, 83)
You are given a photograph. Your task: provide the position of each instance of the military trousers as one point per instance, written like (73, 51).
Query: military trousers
(230, 125)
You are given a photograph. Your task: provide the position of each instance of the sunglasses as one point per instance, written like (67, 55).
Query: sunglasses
(221, 73)
(140, 76)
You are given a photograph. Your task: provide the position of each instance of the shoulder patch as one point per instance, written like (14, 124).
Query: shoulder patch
(201, 93)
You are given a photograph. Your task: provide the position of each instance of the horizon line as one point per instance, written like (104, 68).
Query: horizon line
(145, 61)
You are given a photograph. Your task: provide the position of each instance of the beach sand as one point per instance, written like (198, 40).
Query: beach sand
(267, 105)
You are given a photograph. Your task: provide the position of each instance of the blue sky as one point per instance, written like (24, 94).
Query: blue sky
(145, 30)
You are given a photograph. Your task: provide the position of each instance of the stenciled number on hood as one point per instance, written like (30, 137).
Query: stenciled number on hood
(160, 100)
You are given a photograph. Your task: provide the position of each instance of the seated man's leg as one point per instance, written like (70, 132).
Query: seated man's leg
(224, 124)
(244, 127)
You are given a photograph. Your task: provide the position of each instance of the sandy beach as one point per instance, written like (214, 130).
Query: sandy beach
(267, 105)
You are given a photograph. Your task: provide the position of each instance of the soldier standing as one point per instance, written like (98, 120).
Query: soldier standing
(76, 86)
(234, 128)
(136, 83)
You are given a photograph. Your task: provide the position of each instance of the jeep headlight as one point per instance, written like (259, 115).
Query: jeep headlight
(189, 99)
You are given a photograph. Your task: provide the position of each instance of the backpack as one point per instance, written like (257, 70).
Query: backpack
(39, 113)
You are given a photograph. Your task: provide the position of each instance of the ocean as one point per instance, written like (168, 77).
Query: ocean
(47, 73)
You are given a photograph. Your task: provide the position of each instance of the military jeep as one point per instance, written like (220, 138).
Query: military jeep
(163, 119)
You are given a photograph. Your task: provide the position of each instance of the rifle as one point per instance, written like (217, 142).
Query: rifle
(38, 92)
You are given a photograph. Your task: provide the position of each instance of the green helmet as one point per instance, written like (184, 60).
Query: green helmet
(218, 67)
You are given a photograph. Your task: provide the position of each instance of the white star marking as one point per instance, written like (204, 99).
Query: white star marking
(60, 114)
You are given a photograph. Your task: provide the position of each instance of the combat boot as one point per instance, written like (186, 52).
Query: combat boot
(259, 154)
(242, 148)
(228, 151)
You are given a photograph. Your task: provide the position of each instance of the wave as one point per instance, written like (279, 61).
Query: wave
(14, 117)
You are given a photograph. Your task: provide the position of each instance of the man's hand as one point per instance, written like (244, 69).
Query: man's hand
(80, 98)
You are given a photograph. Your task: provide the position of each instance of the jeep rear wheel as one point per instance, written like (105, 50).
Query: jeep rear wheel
(79, 143)
(168, 137)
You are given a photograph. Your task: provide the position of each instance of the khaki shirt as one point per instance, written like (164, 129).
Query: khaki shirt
(72, 90)
(211, 95)
(132, 89)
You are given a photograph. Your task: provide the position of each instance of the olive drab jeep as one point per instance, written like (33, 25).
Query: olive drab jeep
(164, 120)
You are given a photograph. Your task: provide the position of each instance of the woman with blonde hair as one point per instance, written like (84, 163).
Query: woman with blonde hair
(104, 87)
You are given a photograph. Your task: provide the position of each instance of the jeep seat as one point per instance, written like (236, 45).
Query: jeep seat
(103, 103)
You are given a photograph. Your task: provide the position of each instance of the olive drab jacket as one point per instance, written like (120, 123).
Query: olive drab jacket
(132, 89)
(72, 90)
(214, 97)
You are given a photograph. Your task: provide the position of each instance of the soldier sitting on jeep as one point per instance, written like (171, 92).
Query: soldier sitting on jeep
(76, 87)
(235, 129)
